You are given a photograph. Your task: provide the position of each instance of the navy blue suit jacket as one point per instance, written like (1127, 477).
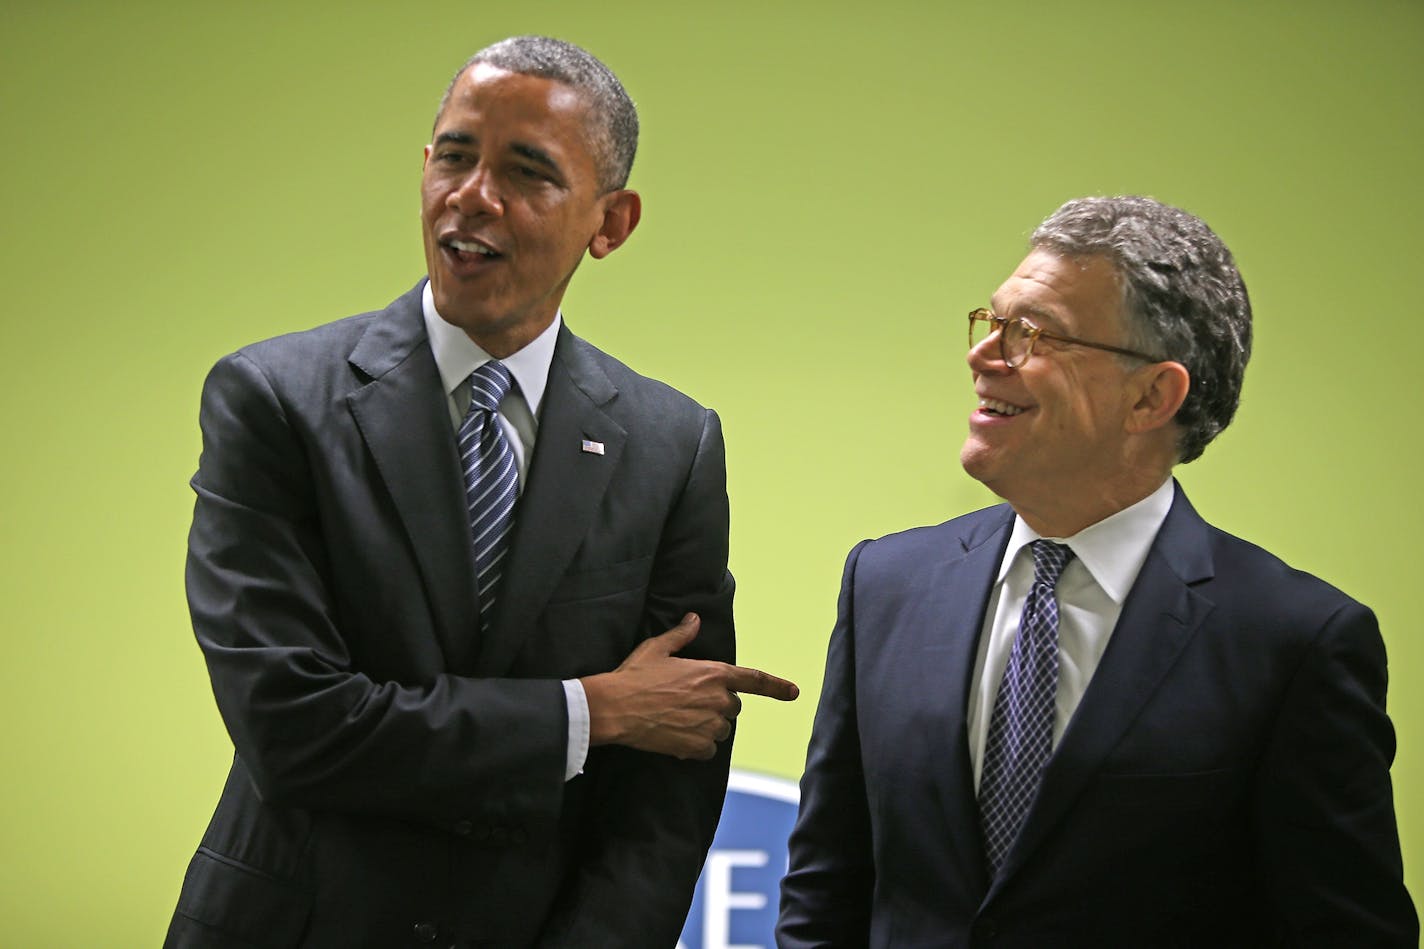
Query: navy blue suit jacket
(1224, 781)
(398, 778)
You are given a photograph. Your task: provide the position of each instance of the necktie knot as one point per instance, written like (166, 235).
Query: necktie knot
(1049, 561)
(489, 384)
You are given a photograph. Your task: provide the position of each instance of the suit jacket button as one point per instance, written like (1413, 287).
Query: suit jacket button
(426, 932)
(499, 835)
(463, 828)
(985, 928)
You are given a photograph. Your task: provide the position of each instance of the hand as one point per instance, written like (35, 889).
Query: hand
(655, 701)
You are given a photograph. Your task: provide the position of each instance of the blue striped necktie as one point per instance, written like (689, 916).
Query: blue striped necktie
(491, 479)
(1021, 727)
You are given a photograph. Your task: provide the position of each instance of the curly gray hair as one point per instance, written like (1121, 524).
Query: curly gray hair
(1183, 296)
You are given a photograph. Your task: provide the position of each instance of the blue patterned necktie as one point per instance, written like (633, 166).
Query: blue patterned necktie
(1021, 728)
(491, 479)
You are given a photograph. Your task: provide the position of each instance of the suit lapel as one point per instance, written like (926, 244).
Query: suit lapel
(1158, 619)
(564, 488)
(402, 415)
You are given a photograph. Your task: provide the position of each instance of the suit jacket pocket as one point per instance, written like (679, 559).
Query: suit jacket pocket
(1182, 791)
(606, 580)
(243, 901)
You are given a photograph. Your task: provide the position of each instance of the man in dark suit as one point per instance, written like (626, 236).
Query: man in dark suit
(1087, 718)
(459, 718)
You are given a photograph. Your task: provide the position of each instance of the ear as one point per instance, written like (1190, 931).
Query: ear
(1160, 389)
(425, 160)
(621, 212)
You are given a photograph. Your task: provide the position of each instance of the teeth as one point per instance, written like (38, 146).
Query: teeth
(472, 248)
(999, 408)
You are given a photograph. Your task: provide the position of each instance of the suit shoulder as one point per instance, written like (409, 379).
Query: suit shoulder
(1260, 581)
(300, 349)
(647, 392)
(331, 343)
(969, 526)
(954, 535)
(332, 357)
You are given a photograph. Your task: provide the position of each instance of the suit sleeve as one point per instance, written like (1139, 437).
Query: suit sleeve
(310, 727)
(1323, 808)
(656, 815)
(825, 896)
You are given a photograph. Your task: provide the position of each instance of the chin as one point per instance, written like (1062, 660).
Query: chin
(464, 315)
(973, 458)
(982, 469)
(455, 317)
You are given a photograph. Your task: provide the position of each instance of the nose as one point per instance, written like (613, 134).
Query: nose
(987, 355)
(476, 195)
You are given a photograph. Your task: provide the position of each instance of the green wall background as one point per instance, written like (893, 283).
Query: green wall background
(829, 187)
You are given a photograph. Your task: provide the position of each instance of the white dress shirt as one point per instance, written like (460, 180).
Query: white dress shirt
(456, 356)
(1091, 591)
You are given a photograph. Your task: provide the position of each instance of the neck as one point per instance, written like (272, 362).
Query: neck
(502, 344)
(1069, 513)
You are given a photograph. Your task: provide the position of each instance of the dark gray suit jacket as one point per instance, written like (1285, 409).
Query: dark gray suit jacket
(398, 779)
(1223, 783)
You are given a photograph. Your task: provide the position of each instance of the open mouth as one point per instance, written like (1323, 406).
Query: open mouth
(469, 251)
(996, 407)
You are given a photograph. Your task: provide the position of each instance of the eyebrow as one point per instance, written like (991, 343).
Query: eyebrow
(538, 156)
(454, 138)
(1042, 318)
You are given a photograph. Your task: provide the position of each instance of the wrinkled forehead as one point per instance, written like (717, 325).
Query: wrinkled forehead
(1062, 292)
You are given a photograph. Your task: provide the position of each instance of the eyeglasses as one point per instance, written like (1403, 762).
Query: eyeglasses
(1016, 338)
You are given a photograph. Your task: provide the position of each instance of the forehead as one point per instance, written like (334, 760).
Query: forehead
(491, 101)
(1062, 292)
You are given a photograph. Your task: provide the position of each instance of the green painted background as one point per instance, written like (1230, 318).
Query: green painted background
(828, 187)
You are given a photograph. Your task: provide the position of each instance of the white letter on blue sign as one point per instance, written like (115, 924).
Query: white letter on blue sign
(719, 899)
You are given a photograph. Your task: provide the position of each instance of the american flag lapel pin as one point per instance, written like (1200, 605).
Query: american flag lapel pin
(592, 447)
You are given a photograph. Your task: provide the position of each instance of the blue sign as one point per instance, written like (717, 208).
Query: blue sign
(735, 904)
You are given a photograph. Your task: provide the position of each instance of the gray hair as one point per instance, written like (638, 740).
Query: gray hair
(613, 120)
(1182, 294)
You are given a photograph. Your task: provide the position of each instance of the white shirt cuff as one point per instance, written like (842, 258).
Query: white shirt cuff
(578, 728)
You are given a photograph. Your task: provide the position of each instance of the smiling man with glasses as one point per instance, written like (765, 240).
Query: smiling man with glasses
(1087, 717)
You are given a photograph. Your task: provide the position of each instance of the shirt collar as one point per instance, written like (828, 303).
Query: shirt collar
(456, 355)
(1114, 549)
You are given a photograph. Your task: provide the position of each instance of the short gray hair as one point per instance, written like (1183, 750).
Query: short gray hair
(1183, 298)
(613, 120)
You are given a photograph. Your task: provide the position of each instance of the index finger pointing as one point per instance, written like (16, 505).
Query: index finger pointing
(756, 682)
